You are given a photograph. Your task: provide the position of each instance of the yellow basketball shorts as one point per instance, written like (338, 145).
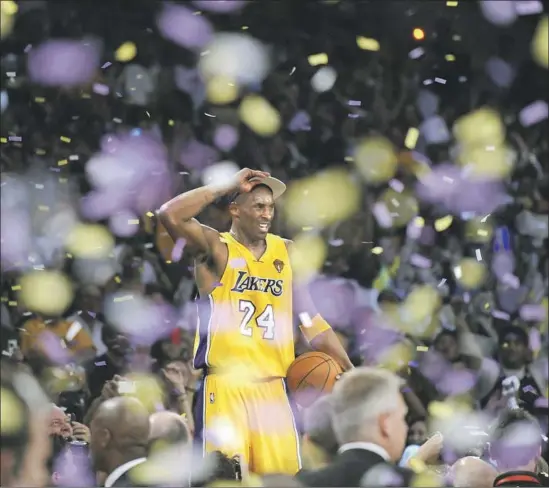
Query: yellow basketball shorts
(252, 420)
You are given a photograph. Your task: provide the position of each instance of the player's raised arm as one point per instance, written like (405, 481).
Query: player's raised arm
(179, 214)
(316, 330)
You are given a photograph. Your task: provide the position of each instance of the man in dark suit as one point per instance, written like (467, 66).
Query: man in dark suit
(119, 440)
(318, 434)
(369, 420)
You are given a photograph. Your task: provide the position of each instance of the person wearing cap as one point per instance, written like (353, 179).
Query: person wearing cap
(514, 356)
(245, 340)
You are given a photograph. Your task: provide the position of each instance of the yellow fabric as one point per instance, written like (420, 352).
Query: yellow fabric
(318, 326)
(252, 420)
(250, 324)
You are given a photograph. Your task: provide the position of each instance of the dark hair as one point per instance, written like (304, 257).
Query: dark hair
(446, 332)
(225, 469)
(14, 438)
(388, 296)
(416, 418)
(500, 448)
(516, 330)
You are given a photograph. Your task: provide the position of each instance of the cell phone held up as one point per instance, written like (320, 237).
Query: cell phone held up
(126, 387)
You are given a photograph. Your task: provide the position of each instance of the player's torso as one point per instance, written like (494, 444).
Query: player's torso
(251, 325)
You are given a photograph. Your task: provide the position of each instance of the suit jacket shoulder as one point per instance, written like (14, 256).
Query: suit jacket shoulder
(128, 479)
(357, 467)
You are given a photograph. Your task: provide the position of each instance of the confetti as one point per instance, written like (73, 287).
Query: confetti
(534, 113)
(375, 159)
(64, 63)
(237, 57)
(324, 79)
(221, 90)
(46, 292)
(7, 17)
(259, 115)
(307, 203)
(178, 24)
(499, 12)
(308, 253)
(318, 59)
(126, 52)
(470, 273)
(411, 138)
(90, 241)
(367, 44)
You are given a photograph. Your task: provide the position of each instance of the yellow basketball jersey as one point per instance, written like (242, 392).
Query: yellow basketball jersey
(245, 325)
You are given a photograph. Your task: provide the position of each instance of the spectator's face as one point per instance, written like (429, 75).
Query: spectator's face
(447, 346)
(513, 352)
(417, 433)
(118, 345)
(59, 423)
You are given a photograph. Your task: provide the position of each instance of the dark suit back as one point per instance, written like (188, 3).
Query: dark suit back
(357, 467)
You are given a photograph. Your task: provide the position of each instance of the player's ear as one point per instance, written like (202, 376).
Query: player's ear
(233, 209)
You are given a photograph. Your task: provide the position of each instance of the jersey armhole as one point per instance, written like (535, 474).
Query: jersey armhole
(207, 262)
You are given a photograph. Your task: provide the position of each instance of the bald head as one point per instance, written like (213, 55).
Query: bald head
(168, 427)
(126, 419)
(473, 472)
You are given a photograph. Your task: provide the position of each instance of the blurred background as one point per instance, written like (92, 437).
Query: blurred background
(413, 140)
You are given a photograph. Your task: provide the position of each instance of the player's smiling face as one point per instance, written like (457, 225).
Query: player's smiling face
(254, 212)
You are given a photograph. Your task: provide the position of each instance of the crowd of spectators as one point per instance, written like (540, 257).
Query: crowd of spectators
(80, 353)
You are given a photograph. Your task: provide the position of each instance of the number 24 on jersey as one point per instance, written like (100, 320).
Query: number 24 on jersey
(265, 319)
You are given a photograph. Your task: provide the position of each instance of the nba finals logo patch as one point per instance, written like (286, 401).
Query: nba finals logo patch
(212, 398)
(279, 265)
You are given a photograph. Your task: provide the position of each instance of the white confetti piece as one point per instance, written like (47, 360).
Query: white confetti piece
(382, 215)
(324, 79)
(420, 261)
(416, 53)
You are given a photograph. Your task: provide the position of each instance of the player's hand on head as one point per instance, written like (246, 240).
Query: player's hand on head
(245, 175)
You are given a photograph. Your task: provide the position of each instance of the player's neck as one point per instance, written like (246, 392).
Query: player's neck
(245, 241)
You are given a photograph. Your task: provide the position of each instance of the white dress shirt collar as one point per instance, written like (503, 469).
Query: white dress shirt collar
(367, 446)
(122, 469)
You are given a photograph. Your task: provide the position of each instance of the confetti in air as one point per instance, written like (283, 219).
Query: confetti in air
(64, 62)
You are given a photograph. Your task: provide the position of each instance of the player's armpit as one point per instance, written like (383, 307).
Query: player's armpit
(194, 233)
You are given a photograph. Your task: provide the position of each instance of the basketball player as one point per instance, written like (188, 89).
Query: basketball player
(245, 340)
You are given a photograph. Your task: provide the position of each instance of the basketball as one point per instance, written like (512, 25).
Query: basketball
(310, 376)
